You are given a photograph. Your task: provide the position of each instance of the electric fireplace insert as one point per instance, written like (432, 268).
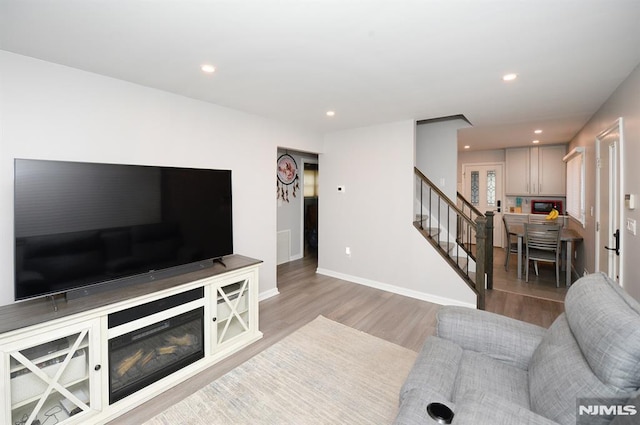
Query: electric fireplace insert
(143, 356)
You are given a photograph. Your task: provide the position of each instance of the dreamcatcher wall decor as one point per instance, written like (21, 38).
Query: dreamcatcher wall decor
(287, 176)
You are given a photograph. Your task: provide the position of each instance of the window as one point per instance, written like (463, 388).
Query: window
(576, 184)
(491, 188)
(475, 188)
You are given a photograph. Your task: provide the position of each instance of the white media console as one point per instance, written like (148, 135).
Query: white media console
(99, 356)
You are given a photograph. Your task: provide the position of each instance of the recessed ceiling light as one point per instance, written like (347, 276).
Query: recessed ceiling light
(509, 77)
(535, 142)
(467, 146)
(331, 113)
(209, 69)
(538, 131)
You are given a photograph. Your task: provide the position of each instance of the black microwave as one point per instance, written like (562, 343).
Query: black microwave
(545, 206)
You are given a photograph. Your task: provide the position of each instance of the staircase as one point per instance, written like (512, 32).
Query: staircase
(459, 232)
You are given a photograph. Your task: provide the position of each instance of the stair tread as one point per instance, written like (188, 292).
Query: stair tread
(447, 246)
(428, 231)
(460, 261)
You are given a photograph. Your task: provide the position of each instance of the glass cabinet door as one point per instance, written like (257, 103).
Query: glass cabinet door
(50, 381)
(232, 311)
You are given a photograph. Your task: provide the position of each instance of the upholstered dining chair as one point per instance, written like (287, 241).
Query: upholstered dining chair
(542, 244)
(511, 244)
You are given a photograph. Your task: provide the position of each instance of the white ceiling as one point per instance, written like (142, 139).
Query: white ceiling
(371, 61)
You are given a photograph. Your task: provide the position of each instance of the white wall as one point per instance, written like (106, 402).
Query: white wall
(374, 216)
(437, 153)
(49, 111)
(625, 103)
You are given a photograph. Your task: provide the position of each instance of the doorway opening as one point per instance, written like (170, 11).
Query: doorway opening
(608, 252)
(310, 208)
(297, 206)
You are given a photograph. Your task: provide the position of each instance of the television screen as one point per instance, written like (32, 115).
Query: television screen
(80, 224)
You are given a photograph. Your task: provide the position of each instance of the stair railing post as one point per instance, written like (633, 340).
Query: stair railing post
(489, 250)
(421, 205)
(481, 247)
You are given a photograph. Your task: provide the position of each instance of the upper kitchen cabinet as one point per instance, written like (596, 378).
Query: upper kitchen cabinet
(552, 171)
(536, 171)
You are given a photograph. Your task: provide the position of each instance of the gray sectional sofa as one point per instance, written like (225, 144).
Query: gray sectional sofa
(489, 369)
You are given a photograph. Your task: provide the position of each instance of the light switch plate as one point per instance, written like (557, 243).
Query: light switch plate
(631, 226)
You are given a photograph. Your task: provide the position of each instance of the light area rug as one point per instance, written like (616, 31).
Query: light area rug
(323, 373)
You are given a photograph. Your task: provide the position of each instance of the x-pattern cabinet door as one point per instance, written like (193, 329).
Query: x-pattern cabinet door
(234, 311)
(52, 375)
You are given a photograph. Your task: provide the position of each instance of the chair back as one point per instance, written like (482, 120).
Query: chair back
(540, 236)
(506, 228)
(540, 218)
(515, 218)
(510, 219)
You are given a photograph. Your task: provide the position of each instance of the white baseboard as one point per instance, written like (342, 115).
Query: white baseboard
(423, 296)
(268, 294)
(296, 257)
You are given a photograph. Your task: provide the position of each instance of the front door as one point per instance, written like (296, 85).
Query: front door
(608, 212)
(483, 188)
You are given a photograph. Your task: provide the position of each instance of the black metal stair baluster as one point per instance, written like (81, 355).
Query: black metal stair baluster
(439, 221)
(430, 213)
(421, 206)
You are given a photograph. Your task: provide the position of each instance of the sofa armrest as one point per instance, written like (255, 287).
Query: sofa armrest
(413, 407)
(498, 337)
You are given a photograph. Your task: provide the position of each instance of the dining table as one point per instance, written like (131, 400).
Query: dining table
(567, 237)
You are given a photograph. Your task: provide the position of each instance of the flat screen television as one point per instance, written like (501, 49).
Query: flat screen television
(77, 224)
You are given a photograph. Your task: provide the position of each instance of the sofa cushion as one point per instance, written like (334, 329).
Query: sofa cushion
(606, 323)
(478, 372)
(482, 408)
(559, 375)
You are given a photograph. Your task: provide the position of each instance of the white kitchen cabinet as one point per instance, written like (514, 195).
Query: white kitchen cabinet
(552, 173)
(537, 171)
(518, 172)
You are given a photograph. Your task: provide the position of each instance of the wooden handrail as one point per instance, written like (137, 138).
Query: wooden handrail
(469, 204)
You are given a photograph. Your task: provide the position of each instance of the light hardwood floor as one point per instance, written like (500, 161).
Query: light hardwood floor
(538, 301)
(404, 321)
